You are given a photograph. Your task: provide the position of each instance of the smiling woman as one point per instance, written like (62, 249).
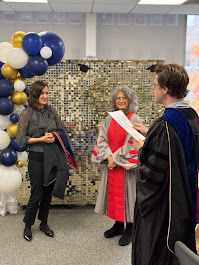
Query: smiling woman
(115, 151)
(35, 127)
(122, 101)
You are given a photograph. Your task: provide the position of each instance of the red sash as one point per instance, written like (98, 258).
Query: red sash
(116, 182)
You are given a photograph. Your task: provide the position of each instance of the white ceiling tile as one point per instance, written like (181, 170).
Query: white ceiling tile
(30, 7)
(5, 7)
(152, 9)
(102, 6)
(70, 1)
(114, 8)
(186, 10)
(82, 8)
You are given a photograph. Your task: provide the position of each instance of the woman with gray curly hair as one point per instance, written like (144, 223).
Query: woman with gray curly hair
(114, 149)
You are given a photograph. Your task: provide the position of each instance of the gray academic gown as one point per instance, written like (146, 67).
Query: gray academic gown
(126, 157)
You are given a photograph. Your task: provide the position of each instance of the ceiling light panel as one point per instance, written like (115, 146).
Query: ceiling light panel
(26, 1)
(161, 2)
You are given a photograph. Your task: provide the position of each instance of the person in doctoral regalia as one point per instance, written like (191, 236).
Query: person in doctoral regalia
(165, 210)
(114, 149)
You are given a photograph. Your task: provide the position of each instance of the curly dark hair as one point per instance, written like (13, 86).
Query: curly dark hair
(174, 77)
(35, 92)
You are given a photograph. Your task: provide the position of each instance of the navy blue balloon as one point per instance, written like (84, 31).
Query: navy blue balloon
(6, 106)
(55, 43)
(1, 76)
(25, 72)
(16, 146)
(27, 91)
(31, 43)
(8, 157)
(6, 88)
(37, 65)
(14, 118)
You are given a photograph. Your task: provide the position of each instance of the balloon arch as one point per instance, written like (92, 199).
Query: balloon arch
(28, 55)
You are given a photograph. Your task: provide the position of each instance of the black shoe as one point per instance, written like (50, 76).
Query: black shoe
(117, 229)
(127, 237)
(46, 230)
(27, 234)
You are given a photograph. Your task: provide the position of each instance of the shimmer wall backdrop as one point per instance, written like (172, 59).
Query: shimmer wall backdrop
(81, 98)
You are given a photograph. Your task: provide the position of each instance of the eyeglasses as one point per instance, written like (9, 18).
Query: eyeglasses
(155, 85)
(121, 98)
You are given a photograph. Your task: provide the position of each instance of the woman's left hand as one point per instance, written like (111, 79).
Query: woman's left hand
(48, 138)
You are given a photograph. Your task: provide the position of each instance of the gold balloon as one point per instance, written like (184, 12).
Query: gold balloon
(9, 72)
(19, 77)
(17, 38)
(19, 163)
(12, 130)
(19, 98)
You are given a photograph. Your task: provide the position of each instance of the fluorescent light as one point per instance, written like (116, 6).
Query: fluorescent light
(26, 1)
(161, 2)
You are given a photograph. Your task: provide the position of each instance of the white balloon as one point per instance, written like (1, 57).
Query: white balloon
(4, 48)
(10, 179)
(23, 156)
(19, 85)
(46, 52)
(4, 139)
(17, 58)
(18, 109)
(4, 121)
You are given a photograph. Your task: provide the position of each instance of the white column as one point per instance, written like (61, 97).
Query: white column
(90, 34)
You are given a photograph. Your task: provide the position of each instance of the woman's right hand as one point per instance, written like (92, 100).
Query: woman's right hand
(48, 138)
(140, 128)
(111, 162)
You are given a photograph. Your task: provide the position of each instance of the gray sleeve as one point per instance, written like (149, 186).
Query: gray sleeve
(102, 149)
(126, 156)
(59, 123)
(22, 129)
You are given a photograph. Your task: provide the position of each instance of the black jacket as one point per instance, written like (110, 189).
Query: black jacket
(56, 167)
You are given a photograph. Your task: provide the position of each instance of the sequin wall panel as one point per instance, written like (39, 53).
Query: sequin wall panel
(81, 99)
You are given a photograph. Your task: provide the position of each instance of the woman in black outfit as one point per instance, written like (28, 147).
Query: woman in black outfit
(34, 129)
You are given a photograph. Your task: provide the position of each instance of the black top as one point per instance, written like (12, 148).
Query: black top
(34, 123)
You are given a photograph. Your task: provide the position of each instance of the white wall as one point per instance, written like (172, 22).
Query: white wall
(142, 37)
(118, 36)
(69, 27)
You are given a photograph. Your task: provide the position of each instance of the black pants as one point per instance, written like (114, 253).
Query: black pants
(40, 195)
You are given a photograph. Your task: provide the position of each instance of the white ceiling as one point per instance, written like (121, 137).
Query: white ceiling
(191, 7)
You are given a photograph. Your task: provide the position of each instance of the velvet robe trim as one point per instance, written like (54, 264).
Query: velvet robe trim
(182, 127)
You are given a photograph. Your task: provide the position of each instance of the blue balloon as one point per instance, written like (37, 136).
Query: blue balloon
(37, 65)
(25, 72)
(6, 106)
(1, 76)
(8, 157)
(27, 91)
(31, 43)
(16, 146)
(6, 88)
(55, 43)
(14, 118)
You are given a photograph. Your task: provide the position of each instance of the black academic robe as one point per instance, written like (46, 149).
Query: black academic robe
(164, 210)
